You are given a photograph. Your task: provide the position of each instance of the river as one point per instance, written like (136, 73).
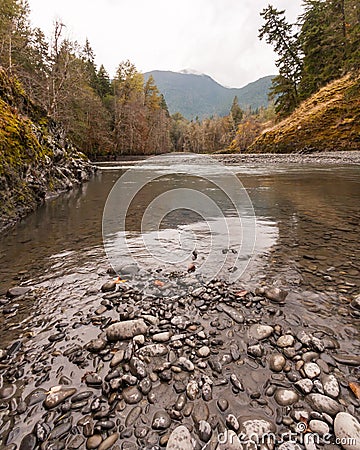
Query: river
(307, 219)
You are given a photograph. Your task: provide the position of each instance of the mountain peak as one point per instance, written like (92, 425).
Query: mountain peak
(191, 72)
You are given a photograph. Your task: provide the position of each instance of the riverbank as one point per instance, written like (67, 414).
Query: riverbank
(144, 356)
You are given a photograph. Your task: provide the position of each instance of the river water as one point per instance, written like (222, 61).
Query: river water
(307, 220)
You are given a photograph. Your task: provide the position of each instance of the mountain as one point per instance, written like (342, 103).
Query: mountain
(198, 95)
(327, 121)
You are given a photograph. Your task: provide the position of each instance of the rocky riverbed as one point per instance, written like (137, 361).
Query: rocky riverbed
(163, 361)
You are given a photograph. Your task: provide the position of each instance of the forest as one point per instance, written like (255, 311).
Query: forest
(124, 115)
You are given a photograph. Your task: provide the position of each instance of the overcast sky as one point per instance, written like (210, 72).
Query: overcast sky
(216, 37)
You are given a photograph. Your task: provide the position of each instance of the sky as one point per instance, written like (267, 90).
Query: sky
(216, 37)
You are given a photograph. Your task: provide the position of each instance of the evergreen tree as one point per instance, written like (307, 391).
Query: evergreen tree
(281, 35)
(236, 112)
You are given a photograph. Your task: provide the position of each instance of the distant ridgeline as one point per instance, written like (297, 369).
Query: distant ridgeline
(36, 160)
(198, 95)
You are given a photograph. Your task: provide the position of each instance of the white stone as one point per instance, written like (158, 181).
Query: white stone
(260, 332)
(286, 397)
(331, 386)
(305, 385)
(286, 340)
(319, 427)
(347, 429)
(180, 439)
(312, 370)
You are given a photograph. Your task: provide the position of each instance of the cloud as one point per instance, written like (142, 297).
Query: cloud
(217, 37)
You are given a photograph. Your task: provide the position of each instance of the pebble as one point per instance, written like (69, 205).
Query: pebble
(96, 345)
(319, 427)
(161, 420)
(154, 350)
(204, 430)
(203, 352)
(93, 441)
(17, 291)
(109, 442)
(331, 386)
(286, 340)
(125, 330)
(162, 337)
(180, 439)
(347, 430)
(57, 395)
(192, 390)
(277, 362)
(286, 397)
(312, 370)
(325, 404)
(260, 332)
(255, 350)
(132, 395)
(305, 385)
(236, 315)
(109, 286)
(223, 404)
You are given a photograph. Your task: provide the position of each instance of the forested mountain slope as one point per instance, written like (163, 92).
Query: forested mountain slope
(328, 120)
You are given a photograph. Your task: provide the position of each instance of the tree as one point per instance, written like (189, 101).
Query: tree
(282, 36)
(236, 112)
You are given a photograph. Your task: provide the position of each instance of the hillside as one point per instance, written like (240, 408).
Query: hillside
(36, 160)
(328, 121)
(198, 95)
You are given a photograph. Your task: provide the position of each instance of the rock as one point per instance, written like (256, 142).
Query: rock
(93, 379)
(203, 352)
(305, 385)
(275, 294)
(96, 345)
(285, 397)
(7, 391)
(60, 430)
(236, 315)
(125, 330)
(161, 420)
(312, 370)
(57, 395)
(28, 442)
(204, 430)
(277, 362)
(162, 337)
(347, 430)
(223, 404)
(17, 291)
(109, 442)
(232, 422)
(256, 350)
(331, 386)
(319, 427)
(349, 360)
(93, 441)
(286, 340)
(356, 303)
(192, 390)
(200, 412)
(109, 286)
(132, 395)
(254, 429)
(180, 439)
(153, 350)
(117, 358)
(185, 364)
(324, 404)
(133, 415)
(260, 332)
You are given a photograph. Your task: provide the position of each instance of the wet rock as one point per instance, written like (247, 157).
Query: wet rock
(185, 364)
(133, 415)
(192, 390)
(109, 286)
(260, 332)
(305, 385)
(200, 412)
(109, 442)
(161, 420)
(96, 345)
(286, 340)
(203, 352)
(277, 362)
(76, 442)
(349, 360)
(17, 291)
(117, 358)
(286, 397)
(236, 315)
(319, 427)
(162, 337)
(92, 379)
(274, 294)
(204, 430)
(28, 442)
(311, 370)
(93, 441)
(256, 350)
(138, 368)
(7, 391)
(60, 431)
(324, 404)
(126, 330)
(153, 350)
(347, 430)
(57, 395)
(223, 404)
(232, 422)
(236, 382)
(180, 439)
(331, 386)
(132, 395)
